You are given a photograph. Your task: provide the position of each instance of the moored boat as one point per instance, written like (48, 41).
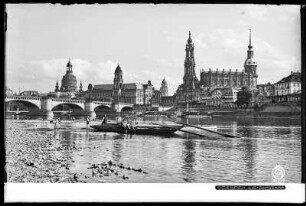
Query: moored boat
(146, 129)
(195, 114)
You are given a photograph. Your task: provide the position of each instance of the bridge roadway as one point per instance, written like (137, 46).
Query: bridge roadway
(47, 104)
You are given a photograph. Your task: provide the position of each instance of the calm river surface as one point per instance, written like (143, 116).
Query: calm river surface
(265, 143)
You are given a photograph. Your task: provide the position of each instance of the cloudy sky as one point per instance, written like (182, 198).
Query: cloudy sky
(148, 41)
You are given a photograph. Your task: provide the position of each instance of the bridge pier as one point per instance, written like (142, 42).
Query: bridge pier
(89, 110)
(115, 107)
(46, 108)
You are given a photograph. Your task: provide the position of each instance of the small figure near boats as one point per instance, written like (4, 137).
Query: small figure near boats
(104, 120)
(87, 121)
(56, 123)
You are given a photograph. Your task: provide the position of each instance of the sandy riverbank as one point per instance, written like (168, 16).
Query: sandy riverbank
(35, 155)
(31, 156)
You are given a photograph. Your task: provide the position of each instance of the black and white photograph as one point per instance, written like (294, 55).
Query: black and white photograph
(108, 95)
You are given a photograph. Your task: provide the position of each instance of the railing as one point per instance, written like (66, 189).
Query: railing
(99, 102)
(67, 100)
(22, 97)
(58, 100)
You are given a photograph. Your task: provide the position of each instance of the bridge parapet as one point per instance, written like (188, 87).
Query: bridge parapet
(22, 97)
(68, 100)
(98, 102)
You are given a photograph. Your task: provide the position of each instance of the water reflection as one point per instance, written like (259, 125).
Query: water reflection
(188, 160)
(248, 148)
(117, 146)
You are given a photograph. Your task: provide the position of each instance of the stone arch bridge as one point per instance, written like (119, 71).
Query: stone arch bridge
(46, 104)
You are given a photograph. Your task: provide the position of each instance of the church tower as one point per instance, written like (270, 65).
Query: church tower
(56, 87)
(118, 80)
(250, 65)
(118, 83)
(164, 88)
(81, 87)
(190, 80)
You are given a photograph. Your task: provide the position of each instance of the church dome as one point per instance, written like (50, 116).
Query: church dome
(69, 82)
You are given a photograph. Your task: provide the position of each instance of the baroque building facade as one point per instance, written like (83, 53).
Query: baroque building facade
(164, 88)
(131, 93)
(288, 89)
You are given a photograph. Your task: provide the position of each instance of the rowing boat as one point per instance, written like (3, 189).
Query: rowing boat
(146, 129)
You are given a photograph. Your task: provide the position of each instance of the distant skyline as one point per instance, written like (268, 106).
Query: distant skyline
(148, 41)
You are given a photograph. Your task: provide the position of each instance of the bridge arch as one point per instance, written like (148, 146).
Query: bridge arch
(25, 102)
(126, 108)
(67, 103)
(102, 107)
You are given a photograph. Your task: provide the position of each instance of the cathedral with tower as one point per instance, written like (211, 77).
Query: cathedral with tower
(214, 85)
(246, 77)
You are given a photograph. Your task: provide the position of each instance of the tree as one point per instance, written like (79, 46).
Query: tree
(244, 97)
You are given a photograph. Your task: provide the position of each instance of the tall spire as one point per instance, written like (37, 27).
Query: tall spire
(56, 87)
(81, 87)
(250, 41)
(189, 39)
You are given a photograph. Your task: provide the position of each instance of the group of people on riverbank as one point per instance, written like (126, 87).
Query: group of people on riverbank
(56, 122)
(128, 124)
(125, 123)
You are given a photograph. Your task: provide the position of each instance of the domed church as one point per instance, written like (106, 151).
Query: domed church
(69, 83)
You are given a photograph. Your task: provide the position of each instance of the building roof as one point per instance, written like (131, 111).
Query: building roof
(223, 71)
(293, 77)
(104, 86)
(132, 86)
(125, 86)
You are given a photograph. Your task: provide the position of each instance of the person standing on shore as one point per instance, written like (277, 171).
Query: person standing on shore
(57, 123)
(104, 120)
(87, 122)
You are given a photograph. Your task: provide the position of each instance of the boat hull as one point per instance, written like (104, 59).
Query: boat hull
(139, 129)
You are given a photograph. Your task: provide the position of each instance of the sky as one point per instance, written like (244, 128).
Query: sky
(147, 41)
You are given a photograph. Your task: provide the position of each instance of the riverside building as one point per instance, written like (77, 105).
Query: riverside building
(288, 89)
(132, 93)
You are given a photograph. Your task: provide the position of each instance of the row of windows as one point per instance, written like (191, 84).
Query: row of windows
(281, 85)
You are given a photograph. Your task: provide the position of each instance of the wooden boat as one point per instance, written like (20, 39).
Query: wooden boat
(146, 129)
(195, 114)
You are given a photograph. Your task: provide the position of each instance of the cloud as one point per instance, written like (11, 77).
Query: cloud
(257, 12)
(199, 41)
(171, 36)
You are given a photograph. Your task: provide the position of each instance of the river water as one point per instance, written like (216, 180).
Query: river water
(264, 143)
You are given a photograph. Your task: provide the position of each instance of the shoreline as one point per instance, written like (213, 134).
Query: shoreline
(31, 158)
